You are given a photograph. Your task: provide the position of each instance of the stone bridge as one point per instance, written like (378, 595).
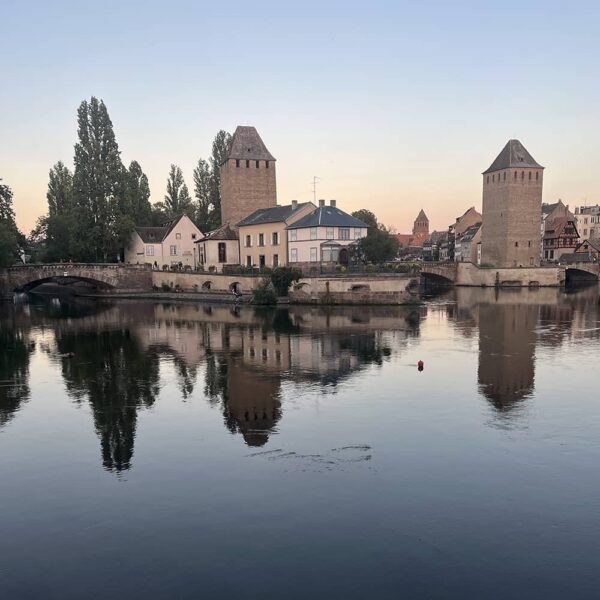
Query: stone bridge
(107, 276)
(440, 272)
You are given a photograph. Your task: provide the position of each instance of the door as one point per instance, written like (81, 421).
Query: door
(343, 256)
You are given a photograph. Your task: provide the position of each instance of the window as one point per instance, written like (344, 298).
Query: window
(357, 233)
(177, 236)
(537, 175)
(293, 235)
(329, 233)
(261, 239)
(529, 175)
(222, 252)
(150, 250)
(261, 260)
(330, 254)
(237, 162)
(516, 244)
(344, 233)
(504, 176)
(522, 175)
(294, 255)
(488, 179)
(193, 236)
(248, 261)
(313, 255)
(247, 164)
(313, 233)
(275, 238)
(493, 178)
(529, 244)
(173, 250)
(267, 164)
(531, 261)
(585, 232)
(515, 175)
(248, 241)
(257, 164)
(275, 260)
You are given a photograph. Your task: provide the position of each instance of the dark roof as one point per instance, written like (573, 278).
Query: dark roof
(548, 208)
(421, 216)
(155, 235)
(246, 143)
(513, 154)
(470, 232)
(275, 214)
(557, 227)
(225, 232)
(593, 242)
(327, 216)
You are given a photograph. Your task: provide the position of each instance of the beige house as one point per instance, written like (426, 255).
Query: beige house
(323, 236)
(262, 234)
(218, 248)
(170, 244)
(466, 245)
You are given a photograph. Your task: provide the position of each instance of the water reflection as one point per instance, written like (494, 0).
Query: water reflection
(237, 359)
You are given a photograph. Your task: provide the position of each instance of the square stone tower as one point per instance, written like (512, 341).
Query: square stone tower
(512, 209)
(248, 179)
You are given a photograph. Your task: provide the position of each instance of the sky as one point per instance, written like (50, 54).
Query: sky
(395, 106)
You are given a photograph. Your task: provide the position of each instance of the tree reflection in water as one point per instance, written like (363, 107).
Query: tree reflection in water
(117, 377)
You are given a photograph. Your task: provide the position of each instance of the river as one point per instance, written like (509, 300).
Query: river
(152, 450)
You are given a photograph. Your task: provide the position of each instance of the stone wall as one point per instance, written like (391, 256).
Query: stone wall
(205, 282)
(245, 189)
(470, 274)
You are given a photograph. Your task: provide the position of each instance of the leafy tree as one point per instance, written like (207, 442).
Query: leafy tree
(137, 195)
(97, 181)
(366, 216)
(220, 151)
(282, 278)
(202, 194)
(60, 189)
(7, 214)
(264, 293)
(377, 247)
(10, 237)
(177, 199)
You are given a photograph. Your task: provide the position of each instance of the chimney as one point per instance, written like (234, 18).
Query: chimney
(332, 203)
(294, 204)
(321, 203)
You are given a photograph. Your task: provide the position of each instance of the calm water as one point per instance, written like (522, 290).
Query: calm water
(189, 451)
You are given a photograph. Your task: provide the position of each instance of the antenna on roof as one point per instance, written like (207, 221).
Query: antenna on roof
(314, 184)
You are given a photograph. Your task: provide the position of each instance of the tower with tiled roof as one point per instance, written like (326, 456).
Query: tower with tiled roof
(421, 224)
(512, 209)
(248, 180)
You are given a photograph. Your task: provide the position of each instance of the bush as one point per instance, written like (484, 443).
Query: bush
(187, 268)
(165, 267)
(283, 277)
(165, 287)
(264, 294)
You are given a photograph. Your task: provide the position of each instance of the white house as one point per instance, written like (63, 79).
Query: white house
(170, 244)
(324, 236)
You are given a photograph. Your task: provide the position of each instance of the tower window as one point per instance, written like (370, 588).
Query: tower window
(247, 164)
(529, 175)
(258, 161)
(516, 244)
(237, 162)
(493, 178)
(522, 175)
(267, 164)
(488, 179)
(504, 175)
(537, 176)
(515, 175)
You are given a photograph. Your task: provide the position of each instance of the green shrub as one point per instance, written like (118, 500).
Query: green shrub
(165, 267)
(283, 277)
(165, 287)
(264, 294)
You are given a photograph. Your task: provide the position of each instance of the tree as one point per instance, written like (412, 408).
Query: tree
(378, 246)
(137, 195)
(10, 237)
(177, 199)
(60, 189)
(98, 182)
(282, 278)
(220, 151)
(7, 213)
(202, 194)
(366, 216)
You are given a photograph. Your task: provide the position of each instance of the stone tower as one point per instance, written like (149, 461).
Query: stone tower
(421, 224)
(247, 177)
(512, 209)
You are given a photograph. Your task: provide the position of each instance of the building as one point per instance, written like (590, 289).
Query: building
(431, 246)
(170, 244)
(560, 237)
(588, 221)
(324, 236)
(588, 250)
(420, 233)
(512, 205)
(218, 248)
(248, 179)
(466, 244)
(263, 236)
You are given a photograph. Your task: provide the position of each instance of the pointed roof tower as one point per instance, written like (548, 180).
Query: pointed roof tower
(513, 154)
(422, 216)
(247, 144)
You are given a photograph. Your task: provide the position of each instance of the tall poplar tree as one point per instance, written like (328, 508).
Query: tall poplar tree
(10, 238)
(177, 199)
(202, 195)
(220, 151)
(60, 189)
(98, 182)
(137, 195)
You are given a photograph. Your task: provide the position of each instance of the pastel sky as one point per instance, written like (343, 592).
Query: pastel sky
(396, 106)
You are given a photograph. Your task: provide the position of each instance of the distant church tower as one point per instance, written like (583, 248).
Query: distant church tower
(512, 209)
(247, 177)
(421, 224)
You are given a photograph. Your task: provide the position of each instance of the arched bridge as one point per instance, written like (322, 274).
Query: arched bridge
(441, 273)
(121, 277)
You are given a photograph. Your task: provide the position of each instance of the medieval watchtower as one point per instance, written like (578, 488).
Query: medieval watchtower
(512, 209)
(247, 177)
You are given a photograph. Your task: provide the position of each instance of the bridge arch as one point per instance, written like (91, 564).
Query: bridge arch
(436, 278)
(575, 275)
(61, 280)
